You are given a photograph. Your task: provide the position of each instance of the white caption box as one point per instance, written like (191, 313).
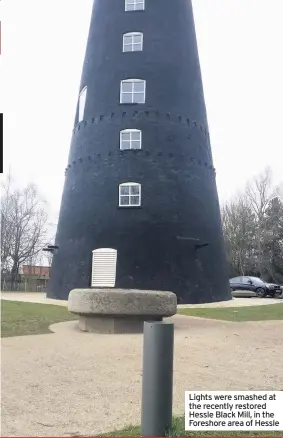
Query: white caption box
(234, 410)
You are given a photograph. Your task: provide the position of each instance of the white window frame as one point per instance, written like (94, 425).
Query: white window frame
(132, 92)
(129, 42)
(82, 102)
(132, 143)
(129, 196)
(134, 5)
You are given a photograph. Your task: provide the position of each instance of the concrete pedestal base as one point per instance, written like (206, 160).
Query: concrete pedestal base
(119, 310)
(102, 324)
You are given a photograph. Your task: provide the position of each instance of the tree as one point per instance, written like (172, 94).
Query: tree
(24, 226)
(6, 224)
(48, 258)
(273, 239)
(238, 225)
(259, 193)
(253, 230)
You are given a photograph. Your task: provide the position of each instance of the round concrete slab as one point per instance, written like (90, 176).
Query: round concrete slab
(119, 310)
(122, 302)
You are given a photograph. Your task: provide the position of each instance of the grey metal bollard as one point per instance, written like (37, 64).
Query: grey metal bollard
(157, 382)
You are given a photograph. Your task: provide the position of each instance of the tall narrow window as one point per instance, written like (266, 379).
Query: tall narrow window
(132, 91)
(134, 5)
(82, 101)
(130, 139)
(130, 194)
(133, 42)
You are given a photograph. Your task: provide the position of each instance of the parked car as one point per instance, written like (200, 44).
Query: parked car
(253, 286)
(278, 289)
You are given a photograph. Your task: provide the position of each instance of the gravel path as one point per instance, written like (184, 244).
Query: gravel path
(73, 383)
(39, 297)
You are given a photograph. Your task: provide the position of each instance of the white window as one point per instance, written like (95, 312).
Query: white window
(134, 5)
(104, 261)
(133, 42)
(132, 91)
(129, 194)
(130, 139)
(82, 101)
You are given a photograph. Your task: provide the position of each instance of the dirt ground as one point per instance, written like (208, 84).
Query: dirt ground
(73, 383)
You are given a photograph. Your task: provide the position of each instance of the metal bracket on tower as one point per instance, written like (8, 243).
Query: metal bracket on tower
(51, 248)
(196, 242)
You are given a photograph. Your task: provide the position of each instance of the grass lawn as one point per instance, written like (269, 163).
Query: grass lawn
(178, 429)
(20, 319)
(237, 314)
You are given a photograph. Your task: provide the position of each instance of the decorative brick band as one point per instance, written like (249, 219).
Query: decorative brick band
(157, 115)
(171, 155)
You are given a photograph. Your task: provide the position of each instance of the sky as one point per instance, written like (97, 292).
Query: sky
(240, 48)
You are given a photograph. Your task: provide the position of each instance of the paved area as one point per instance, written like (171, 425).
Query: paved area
(36, 297)
(236, 302)
(31, 297)
(72, 383)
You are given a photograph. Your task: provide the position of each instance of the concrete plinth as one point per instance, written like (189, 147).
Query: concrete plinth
(119, 310)
(97, 324)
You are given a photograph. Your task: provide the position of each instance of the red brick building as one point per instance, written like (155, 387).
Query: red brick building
(40, 272)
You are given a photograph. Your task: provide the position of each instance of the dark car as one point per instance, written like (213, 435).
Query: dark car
(253, 286)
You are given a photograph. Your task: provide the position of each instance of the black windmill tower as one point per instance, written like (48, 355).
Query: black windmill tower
(140, 184)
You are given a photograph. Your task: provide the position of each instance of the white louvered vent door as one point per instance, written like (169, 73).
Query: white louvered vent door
(104, 262)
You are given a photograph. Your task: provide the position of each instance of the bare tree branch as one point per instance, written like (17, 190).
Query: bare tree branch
(24, 225)
(253, 229)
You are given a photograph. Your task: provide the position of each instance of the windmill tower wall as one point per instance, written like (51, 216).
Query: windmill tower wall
(171, 237)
